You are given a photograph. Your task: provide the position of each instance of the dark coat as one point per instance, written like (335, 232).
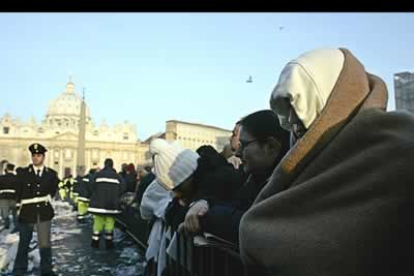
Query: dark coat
(8, 184)
(84, 188)
(30, 187)
(107, 187)
(131, 182)
(223, 219)
(76, 184)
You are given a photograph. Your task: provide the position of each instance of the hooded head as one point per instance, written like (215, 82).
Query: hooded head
(172, 163)
(304, 87)
(318, 94)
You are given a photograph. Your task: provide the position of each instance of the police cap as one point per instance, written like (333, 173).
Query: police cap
(37, 148)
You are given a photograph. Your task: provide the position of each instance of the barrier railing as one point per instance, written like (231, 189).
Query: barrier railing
(187, 257)
(192, 259)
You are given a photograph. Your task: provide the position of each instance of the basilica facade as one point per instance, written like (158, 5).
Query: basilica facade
(59, 132)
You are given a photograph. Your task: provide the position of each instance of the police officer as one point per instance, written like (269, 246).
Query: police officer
(84, 191)
(107, 187)
(8, 184)
(37, 185)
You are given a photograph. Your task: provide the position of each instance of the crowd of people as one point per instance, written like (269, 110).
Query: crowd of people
(319, 184)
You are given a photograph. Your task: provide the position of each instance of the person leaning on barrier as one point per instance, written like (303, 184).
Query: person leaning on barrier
(263, 143)
(214, 176)
(173, 165)
(191, 176)
(37, 185)
(340, 202)
(106, 188)
(8, 185)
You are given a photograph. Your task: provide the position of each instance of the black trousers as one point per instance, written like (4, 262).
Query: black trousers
(26, 235)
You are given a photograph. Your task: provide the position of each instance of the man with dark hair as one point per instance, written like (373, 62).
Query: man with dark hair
(106, 188)
(8, 183)
(36, 187)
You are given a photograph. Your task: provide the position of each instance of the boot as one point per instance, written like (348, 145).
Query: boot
(95, 243)
(109, 240)
(46, 262)
(95, 240)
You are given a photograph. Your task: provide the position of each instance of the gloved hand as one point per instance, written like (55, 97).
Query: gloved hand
(191, 221)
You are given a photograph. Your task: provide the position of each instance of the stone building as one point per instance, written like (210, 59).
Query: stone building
(59, 132)
(404, 91)
(192, 136)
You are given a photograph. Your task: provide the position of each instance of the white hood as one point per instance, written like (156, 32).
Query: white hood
(306, 83)
(154, 201)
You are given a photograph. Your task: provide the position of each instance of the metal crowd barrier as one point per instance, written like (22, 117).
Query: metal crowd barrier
(132, 223)
(190, 259)
(205, 260)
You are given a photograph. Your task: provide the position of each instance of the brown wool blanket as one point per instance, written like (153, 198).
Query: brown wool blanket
(341, 201)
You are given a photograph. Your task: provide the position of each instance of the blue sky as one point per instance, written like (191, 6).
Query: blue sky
(148, 68)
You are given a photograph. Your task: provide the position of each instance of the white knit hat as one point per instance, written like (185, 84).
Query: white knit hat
(172, 163)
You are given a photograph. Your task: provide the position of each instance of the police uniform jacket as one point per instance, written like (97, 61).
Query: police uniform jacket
(107, 187)
(8, 183)
(34, 194)
(84, 189)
